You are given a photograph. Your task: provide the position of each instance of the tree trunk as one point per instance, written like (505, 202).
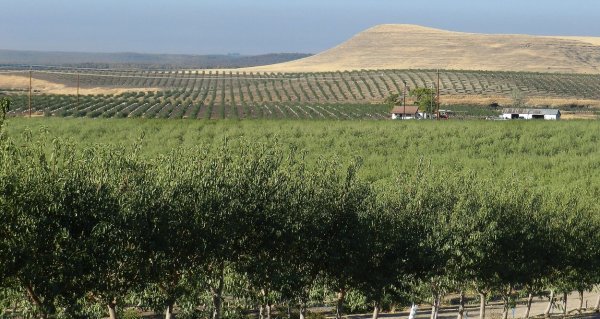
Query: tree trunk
(580, 310)
(461, 305)
(413, 311)
(302, 309)
(112, 313)
(268, 310)
(376, 309)
(565, 303)
(482, 299)
(264, 308)
(289, 311)
(217, 293)
(36, 301)
(169, 311)
(597, 308)
(505, 302)
(433, 305)
(529, 302)
(550, 303)
(435, 308)
(339, 309)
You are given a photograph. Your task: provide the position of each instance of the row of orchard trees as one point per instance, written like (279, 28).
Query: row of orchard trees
(84, 233)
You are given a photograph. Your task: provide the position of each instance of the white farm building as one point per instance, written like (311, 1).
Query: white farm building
(405, 113)
(530, 114)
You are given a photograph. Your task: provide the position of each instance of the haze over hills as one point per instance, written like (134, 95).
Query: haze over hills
(142, 60)
(404, 46)
(386, 55)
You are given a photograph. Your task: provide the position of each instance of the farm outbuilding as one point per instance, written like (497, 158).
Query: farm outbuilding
(405, 113)
(530, 114)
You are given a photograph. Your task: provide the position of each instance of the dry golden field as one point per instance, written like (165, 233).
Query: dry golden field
(414, 47)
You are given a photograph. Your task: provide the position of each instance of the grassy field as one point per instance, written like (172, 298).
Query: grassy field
(550, 154)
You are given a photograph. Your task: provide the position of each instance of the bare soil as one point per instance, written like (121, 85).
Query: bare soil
(22, 83)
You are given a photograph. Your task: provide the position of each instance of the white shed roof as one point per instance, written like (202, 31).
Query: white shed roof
(531, 111)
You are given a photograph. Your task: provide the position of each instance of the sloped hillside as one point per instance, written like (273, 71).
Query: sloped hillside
(415, 47)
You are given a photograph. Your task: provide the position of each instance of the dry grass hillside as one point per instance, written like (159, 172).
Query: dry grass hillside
(415, 47)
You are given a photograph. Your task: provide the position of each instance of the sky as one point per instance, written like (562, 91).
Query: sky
(266, 26)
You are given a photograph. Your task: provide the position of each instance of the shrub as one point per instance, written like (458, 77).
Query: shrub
(131, 313)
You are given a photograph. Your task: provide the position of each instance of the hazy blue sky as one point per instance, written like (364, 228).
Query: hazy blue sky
(262, 26)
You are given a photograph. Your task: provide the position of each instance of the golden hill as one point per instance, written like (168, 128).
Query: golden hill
(414, 47)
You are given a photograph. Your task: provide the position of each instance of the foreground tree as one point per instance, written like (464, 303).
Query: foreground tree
(392, 236)
(428, 199)
(515, 240)
(263, 204)
(576, 266)
(175, 232)
(4, 108)
(51, 206)
(344, 242)
(119, 247)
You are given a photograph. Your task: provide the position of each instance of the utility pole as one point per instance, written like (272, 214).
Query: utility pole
(77, 90)
(30, 91)
(437, 100)
(431, 100)
(404, 100)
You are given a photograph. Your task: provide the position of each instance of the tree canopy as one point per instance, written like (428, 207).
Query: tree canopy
(90, 232)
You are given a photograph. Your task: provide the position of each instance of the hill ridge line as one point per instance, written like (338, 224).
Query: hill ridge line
(408, 46)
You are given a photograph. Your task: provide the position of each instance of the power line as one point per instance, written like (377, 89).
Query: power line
(191, 76)
(14, 71)
(44, 66)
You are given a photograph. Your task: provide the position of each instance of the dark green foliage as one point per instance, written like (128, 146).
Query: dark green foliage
(425, 99)
(264, 223)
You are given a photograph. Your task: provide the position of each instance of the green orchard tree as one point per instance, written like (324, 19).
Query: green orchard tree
(175, 235)
(460, 231)
(343, 239)
(392, 236)
(219, 208)
(51, 208)
(576, 269)
(263, 197)
(425, 99)
(118, 248)
(429, 197)
(4, 108)
(393, 100)
(311, 193)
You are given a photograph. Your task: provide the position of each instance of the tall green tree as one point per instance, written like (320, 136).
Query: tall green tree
(392, 236)
(425, 99)
(51, 205)
(264, 198)
(575, 225)
(118, 237)
(4, 108)
(342, 239)
(393, 100)
(174, 234)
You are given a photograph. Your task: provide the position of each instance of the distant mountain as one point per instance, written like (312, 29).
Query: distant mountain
(142, 60)
(401, 46)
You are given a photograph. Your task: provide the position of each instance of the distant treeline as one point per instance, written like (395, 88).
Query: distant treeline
(141, 60)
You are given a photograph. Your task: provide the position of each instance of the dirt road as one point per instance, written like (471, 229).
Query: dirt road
(494, 310)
